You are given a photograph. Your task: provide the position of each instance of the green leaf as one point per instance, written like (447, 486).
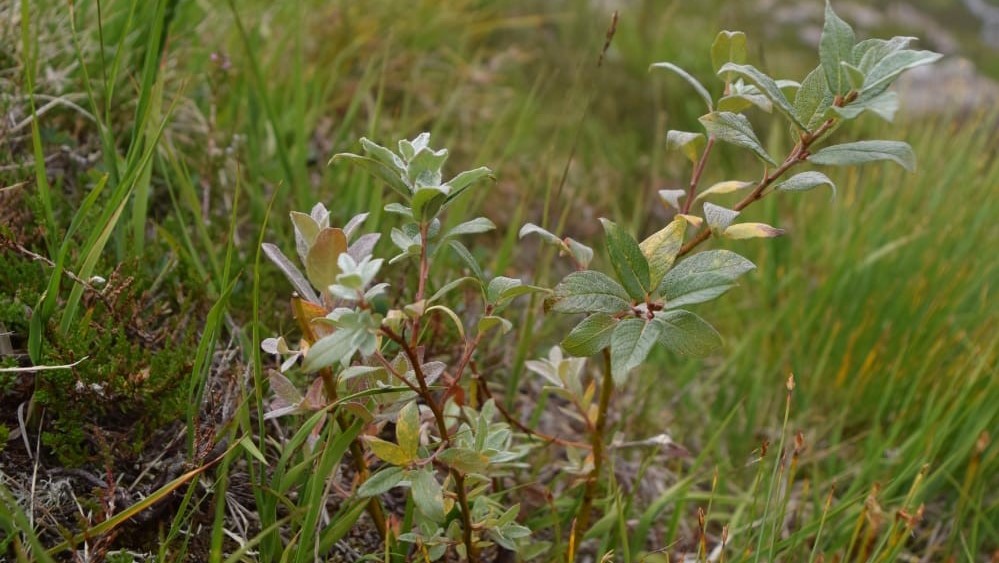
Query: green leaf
(690, 144)
(701, 91)
(466, 256)
(835, 47)
(589, 291)
(408, 149)
(804, 182)
(631, 343)
(511, 293)
(628, 261)
(321, 261)
(723, 188)
(388, 452)
(306, 231)
(729, 46)
(464, 460)
(358, 371)
(870, 52)
(382, 154)
(475, 226)
(451, 286)
(381, 482)
(889, 68)
(490, 322)
(813, 99)
(451, 314)
(580, 252)
(465, 180)
(736, 103)
(687, 334)
(376, 169)
(427, 202)
(329, 350)
(247, 444)
(768, 87)
(703, 277)
(735, 129)
(718, 217)
(427, 493)
(407, 429)
(590, 336)
(499, 285)
(661, 248)
(400, 209)
(861, 152)
(424, 169)
(751, 230)
(531, 228)
(854, 76)
(884, 105)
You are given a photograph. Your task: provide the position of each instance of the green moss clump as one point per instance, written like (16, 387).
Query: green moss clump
(137, 358)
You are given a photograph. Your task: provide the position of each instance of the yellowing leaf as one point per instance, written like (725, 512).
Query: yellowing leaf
(321, 261)
(387, 451)
(661, 249)
(407, 429)
(723, 188)
(752, 230)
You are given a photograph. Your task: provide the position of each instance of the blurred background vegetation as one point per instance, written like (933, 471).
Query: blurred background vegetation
(208, 117)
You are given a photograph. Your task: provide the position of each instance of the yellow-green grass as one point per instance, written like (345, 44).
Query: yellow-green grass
(879, 302)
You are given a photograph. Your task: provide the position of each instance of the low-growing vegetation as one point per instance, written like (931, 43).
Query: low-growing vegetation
(216, 346)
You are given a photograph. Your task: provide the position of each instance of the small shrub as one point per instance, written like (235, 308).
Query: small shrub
(407, 394)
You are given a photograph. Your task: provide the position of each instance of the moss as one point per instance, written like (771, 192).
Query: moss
(137, 355)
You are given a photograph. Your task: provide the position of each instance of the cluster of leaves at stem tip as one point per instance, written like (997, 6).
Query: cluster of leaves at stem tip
(374, 359)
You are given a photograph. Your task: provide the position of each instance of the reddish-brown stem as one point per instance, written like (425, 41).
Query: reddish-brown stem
(388, 367)
(421, 380)
(466, 356)
(547, 438)
(421, 287)
(459, 479)
(695, 177)
(797, 155)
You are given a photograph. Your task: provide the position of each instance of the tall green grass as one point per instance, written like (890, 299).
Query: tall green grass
(879, 302)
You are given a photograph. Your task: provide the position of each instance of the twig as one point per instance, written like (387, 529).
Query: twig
(797, 155)
(547, 438)
(695, 177)
(471, 553)
(42, 368)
